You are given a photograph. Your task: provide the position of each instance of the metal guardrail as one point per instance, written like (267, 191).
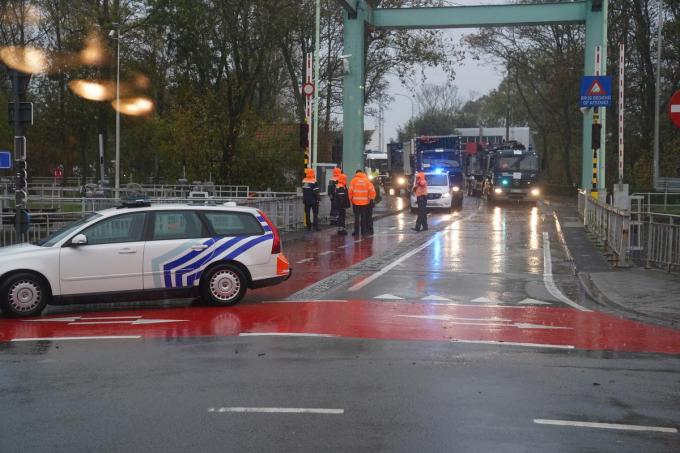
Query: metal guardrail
(285, 211)
(668, 184)
(609, 226)
(662, 202)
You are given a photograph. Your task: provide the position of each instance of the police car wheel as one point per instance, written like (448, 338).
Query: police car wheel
(224, 285)
(23, 295)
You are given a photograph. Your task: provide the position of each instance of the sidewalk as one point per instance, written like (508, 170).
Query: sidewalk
(648, 295)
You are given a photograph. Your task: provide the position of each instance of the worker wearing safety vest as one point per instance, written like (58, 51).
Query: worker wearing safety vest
(332, 185)
(361, 193)
(420, 191)
(310, 198)
(341, 202)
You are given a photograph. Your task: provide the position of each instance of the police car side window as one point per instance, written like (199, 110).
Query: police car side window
(122, 228)
(169, 225)
(234, 223)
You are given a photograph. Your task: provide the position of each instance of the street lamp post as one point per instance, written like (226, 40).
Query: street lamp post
(413, 126)
(117, 38)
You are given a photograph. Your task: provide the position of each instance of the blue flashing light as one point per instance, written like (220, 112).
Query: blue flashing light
(438, 171)
(505, 182)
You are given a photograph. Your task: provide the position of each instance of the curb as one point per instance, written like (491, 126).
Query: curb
(565, 246)
(600, 297)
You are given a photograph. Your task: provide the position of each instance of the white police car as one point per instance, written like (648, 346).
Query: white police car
(145, 251)
(443, 192)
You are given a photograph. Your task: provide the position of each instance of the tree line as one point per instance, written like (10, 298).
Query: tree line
(225, 77)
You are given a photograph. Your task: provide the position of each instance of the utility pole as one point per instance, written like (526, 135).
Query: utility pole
(22, 113)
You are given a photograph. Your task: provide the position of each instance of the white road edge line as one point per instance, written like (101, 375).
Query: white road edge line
(659, 429)
(277, 410)
(304, 301)
(326, 253)
(404, 257)
(510, 343)
(284, 334)
(548, 276)
(111, 337)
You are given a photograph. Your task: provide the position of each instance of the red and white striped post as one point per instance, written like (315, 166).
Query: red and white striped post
(308, 107)
(621, 109)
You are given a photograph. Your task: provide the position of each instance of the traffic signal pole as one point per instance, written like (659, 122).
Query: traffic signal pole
(19, 87)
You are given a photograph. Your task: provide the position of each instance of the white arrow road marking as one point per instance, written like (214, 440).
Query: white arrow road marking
(484, 322)
(659, 429)
(548, 276)
(533, 302)
(388, 296)
(278, 410)
(675, 108)
(484, 300)
(510, 343)
(326, 253)
(435, 297)
(84, 321)
(284, 334)
(306, 260)
(53, 319)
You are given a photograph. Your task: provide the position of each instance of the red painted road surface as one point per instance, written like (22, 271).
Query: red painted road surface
(560, 327)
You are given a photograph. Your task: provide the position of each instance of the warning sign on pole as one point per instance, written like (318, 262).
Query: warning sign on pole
(596, 91)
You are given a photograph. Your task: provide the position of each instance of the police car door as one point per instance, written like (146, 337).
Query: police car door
(178, 247)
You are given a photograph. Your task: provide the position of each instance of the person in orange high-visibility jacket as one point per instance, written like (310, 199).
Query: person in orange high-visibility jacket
(361, 194)
(420, 191)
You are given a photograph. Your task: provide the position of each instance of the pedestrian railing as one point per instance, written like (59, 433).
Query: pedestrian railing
(609, 226)
(660, 240)
(285, 210)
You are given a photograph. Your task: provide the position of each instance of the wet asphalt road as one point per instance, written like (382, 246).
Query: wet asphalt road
(168, 391)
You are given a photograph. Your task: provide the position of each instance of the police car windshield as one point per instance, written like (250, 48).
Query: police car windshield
(437, 180)
(527, 162)
(58, 235)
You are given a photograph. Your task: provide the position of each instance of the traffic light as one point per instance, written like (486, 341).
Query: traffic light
(304, 135)
(22, 175)
(595, 137)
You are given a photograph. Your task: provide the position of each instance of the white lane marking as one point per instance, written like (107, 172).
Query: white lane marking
(278, 410)
(388, 296)
(393, 228)
(548, 276)
(326, 253)
(659, 429)
(485, 322)
(110, 317)
(135, 322)
(509, 343)
(306, 260)
(345, 246)
(484, 300)
(454, 318)
(526, 325)
(283, 334)
(533, 302)
(303, 301)
(359, 240)
(111, 337)
(72, 319)
(435, 297)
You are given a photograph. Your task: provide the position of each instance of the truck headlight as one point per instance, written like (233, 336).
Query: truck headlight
(498, 190)
(370, 177)
(455, 188)
(401, 180)
(535, 192)
(391, 191)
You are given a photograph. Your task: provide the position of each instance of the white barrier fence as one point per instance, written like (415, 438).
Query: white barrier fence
(638, 233)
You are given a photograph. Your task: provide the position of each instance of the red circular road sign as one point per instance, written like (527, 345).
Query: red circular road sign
(674, 108)
(308, 89)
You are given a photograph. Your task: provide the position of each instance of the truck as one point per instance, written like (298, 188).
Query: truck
(512, 173)
(397, 180)
(440, 154)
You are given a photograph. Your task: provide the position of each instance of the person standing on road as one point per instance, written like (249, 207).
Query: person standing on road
(420, 191)
(341, 202)
(332, 184)
(310, 198)
(361, 192)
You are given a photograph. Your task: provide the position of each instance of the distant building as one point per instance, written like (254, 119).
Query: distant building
(494, 135)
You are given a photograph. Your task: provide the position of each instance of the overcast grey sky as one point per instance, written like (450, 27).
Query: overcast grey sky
(473, 79)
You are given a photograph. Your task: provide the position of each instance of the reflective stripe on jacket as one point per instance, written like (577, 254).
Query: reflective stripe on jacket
(361, 191)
